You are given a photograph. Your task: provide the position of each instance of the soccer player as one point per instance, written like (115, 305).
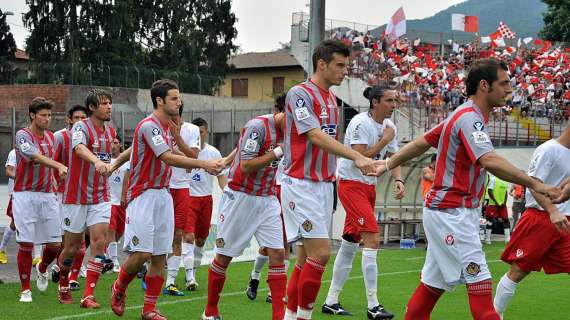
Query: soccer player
(372, 134)
(428, 175)
(200, 206)
(518, 193)
(249, 207)
(451, 215)
(36, 213)
(117, 183)
(311, 148)
(11, 228)
(542, 237)
(62, 146)
(86, 203)
(496, 209)
(149, 226)
(183, 216)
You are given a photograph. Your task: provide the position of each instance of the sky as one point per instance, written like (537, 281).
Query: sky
(263, 24)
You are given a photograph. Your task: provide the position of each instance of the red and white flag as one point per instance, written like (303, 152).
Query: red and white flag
(464, 23)
(505, 31)
(396, 27)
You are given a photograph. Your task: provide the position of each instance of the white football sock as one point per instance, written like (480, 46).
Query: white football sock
(188, 259)
(260, 261)
(38, 251)
(370, 273)
(341, 270)
(504, 293)
(112, 251)
(8, 233)
(172, 266)
(198, 252)
(507, 234)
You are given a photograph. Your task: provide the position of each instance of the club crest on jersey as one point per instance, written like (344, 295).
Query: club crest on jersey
(135, 240)
(324, 114)
(220, 243)
(67, 222)
(473, 269)
(449, 240)
(307, 226)
(519, 253)
(361, 221)
(478, 125)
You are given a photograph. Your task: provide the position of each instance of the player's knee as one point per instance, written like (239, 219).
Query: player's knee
(322, 255)
(516, 274)
(372, 241)
(189, 238)
(276, 256)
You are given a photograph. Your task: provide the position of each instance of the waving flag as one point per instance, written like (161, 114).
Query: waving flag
(396, 27)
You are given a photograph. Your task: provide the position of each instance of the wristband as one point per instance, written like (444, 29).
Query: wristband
(402, 181)
(278, 152)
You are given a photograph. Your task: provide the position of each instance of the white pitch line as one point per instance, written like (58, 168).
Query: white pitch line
(230, 294)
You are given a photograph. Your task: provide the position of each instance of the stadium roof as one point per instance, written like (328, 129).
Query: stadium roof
(256, 60)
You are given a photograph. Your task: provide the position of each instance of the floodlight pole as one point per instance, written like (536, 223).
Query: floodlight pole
(316, 29)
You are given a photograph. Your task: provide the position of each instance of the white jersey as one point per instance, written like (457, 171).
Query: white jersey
(201, 183)
(279, 173)
(180, 178)
(116, 182)
(11, 161)
(550, 165)
(362, 129)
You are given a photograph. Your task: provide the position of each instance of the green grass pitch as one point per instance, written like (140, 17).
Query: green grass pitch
(538, 297)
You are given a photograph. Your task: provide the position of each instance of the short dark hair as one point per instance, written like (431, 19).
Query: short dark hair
(433, 157)
(39, 103)
(376, 92)
(483, 69)
(280, 102)
(74, 109)
(160, 89)
(326, 49)
(200, 122)
(94, 97)
(181, 109)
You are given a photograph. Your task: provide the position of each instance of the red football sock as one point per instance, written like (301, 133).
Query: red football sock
(77, 262)
(422, 303)
(64, 267)
(216, 280)
(123, 280)
(25, 264)
(277, 281)
(309, 285)
(153, 287)
(292, 289)
(48, 255)
(94, 268)
(481, 300)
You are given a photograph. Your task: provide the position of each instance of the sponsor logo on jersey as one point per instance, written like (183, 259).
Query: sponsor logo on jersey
(329, 129)
(324, 114)
(473, 269)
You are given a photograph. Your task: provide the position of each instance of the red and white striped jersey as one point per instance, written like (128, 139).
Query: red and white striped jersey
(308, 107)
(150, 140)
(30, 175)
(461, 140)
(62, 144)
(84, 185)
(258, 137)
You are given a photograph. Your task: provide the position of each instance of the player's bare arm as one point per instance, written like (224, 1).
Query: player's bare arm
(503, 169)
(121, 159)
(330, 145)
(84, 153)
(180, 143)
(11, 172)
(174, 160)
(399, 187)
(565, 191)
(556, 217)
(222, 181)
(252, 165)
(230, 157)
(389, 134)
(50, 163)
(411, 150)
(125, 188)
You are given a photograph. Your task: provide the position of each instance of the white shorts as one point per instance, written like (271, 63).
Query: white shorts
(149, 226)
(307, 208)
(36, 215)
(454, 253)
(59, 196)
(78, 217)
(242, 216)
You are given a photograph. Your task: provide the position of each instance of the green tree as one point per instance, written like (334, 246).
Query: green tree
(7, 43)
(556, 21)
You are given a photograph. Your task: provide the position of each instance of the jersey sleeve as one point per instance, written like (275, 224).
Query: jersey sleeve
(252, 141)
(432, 136)
(191, 135)
(474, 136)
(152, 136)
(79, 134)
(25, 145)
(541, 164)
(300, 105)
(11, 161)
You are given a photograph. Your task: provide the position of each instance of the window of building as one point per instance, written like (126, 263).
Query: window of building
(278, 85)
(239, 87)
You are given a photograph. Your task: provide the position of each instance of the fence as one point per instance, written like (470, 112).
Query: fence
(104, 75)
